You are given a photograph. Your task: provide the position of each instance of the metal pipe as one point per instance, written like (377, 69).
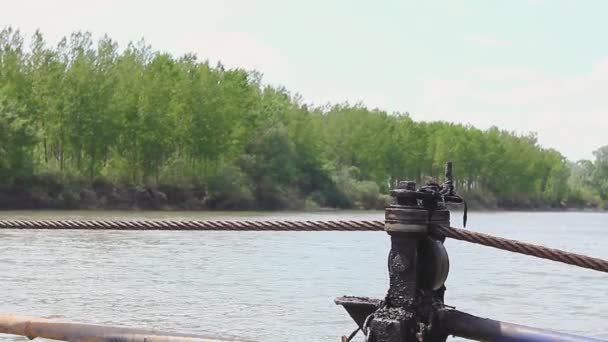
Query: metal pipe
(461, 324)
(33, 327)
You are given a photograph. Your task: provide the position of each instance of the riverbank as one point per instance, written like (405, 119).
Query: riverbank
(50, 193)
(99, 195)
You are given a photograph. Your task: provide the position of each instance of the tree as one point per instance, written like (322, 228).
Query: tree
(600, 172)
(86, 109)
(17, 138)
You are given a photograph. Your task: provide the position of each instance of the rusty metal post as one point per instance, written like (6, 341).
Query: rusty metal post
(417, 268)
(418, 265)
(396, 321)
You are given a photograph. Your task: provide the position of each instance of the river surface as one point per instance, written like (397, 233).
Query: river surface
(280, 286)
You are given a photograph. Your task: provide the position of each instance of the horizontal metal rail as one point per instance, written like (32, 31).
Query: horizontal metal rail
(33, 327)
(471, 327)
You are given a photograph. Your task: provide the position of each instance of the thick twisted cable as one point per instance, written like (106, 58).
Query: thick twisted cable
(253, 225)
(246, 225)
(523, 248)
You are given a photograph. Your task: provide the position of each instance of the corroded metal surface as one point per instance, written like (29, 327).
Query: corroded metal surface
(417, 268)
(413, 220)
(359, 308)
(457, 323)
(33, 327)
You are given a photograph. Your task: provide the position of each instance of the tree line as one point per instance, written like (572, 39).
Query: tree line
(86, 111)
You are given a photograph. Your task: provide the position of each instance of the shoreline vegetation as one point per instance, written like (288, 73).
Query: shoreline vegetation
(86, 124)
(105, 196)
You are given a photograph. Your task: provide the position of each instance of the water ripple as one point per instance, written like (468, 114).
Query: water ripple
(280, 286)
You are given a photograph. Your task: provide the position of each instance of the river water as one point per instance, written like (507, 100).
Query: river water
(277, 287)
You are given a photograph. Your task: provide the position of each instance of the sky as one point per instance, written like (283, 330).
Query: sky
(522, 65)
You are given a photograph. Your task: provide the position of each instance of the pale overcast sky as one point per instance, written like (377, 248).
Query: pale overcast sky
(523, 65)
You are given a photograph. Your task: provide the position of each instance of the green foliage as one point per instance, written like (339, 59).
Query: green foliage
(230, 188)
(356, 193)
(600, 172)
(17, 138)
(589, 179)
(270, 162)
(133, 116)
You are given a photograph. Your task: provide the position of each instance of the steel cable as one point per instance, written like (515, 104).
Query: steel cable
(523, 248)
(245, 225)
(253, 225)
